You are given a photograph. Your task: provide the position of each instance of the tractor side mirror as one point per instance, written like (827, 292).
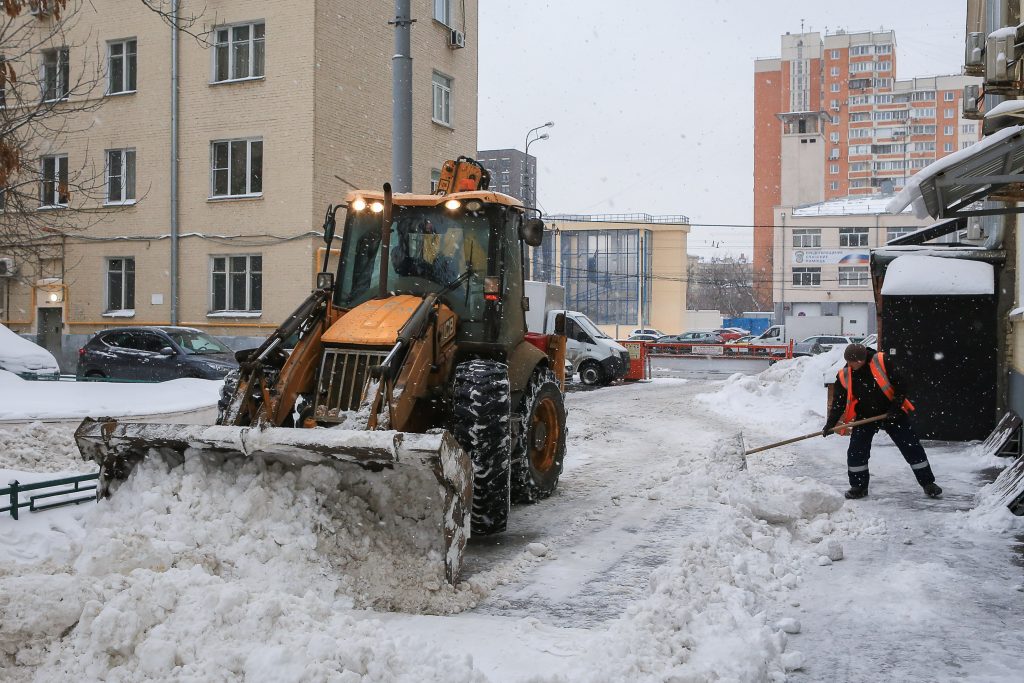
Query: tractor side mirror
(329, 225)
(531, 231)
(560, 324)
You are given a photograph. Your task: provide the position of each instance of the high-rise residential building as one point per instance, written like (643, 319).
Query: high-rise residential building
(512, 172)
(831, 120)
(281, 108)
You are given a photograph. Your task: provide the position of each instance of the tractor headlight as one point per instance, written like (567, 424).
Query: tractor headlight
(359, 204)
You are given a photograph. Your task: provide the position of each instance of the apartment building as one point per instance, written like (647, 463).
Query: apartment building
(512, 172)
(622, 270)
(831, 120)
(822, 257)
(282, 107)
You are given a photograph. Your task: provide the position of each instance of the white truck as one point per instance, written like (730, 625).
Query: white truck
(797, 328)
(597, 358)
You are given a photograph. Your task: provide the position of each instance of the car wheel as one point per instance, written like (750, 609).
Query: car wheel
(93, 375)
(591, 373)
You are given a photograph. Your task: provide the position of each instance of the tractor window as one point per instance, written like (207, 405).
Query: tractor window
(429, 248)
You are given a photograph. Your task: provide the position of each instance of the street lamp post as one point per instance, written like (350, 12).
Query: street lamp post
(528, 199)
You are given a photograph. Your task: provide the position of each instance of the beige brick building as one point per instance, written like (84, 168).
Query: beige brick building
(277, 100)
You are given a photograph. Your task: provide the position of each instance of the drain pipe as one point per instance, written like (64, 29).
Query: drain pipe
(401, 99)
(174, 161)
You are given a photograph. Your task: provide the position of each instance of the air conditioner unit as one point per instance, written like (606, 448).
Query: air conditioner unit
(456, 39)
(6, 267)
(974, 54)
(972, 93)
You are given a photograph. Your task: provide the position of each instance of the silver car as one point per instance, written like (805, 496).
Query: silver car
(821, 343)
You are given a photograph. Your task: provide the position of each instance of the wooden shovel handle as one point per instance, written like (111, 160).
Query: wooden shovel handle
(855, 423)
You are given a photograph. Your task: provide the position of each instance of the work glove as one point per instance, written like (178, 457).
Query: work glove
(827, 429)
(892, 417)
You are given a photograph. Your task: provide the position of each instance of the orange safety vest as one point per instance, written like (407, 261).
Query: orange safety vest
(881, 377)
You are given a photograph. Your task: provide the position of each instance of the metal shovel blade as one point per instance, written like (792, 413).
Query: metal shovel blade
(428, 477)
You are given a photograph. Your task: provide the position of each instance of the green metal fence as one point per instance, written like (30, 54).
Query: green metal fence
(70, 487)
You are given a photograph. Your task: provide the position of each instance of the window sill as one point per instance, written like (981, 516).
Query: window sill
(124, 313)
(52, 207)
(248, 79)
(235, 314)
(443, 124)
(234, 197)
(126, 202)
(59, 99)
(1016, 315)
(120, 93)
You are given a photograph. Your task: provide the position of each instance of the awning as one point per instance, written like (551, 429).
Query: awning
(945, 188)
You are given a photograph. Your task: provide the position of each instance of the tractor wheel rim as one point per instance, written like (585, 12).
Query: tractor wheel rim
(545, 421)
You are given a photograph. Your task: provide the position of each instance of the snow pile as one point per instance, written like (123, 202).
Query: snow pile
(37, 447)
(790, 394)
(18, 354)
(990, 512)
(705, 616)
(26, 400)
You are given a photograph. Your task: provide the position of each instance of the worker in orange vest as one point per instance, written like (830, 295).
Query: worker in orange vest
(870, 385)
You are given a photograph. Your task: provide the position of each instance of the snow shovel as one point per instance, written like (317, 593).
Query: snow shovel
(855, 423)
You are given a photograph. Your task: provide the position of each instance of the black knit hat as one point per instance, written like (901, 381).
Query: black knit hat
(855, 352)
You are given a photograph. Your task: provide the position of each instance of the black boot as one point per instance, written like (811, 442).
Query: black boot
(932, 490)
(857, 492)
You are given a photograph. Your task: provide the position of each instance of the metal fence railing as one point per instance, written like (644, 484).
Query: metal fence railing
(67, 486)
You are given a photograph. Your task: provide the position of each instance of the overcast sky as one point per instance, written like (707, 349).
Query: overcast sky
(653, 101)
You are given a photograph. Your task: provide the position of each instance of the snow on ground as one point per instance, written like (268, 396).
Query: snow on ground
(27, 400)
(659, 558)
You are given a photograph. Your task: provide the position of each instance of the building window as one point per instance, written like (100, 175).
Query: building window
(53, 189)
(806, 238)
(853, 237)
(947, 147)
(121, 66)
(833, 169)
(237, 168)
(853, 276)
(237, 283)
(834, 185)
(834, 54)
(947, 130)
(807, 277)
(56, 74)
(239, 52)
(120, 176)
(120, 284)
(949, 96)
(442, 110)
(834, 71)
(435, 178)
(834, 87)
(893, 233)
(947, 113)
(965, 145)
(884, 66)
(968, 129)
(443, 11)
(833, 137)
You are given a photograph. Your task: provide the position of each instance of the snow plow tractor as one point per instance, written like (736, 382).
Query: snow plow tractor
(408, 369)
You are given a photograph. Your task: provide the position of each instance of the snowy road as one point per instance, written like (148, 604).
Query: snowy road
(656, 560)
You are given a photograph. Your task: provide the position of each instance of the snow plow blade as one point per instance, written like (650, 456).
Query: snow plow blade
(426, 479)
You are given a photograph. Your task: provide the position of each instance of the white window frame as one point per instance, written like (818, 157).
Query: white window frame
(58, 71)
(441, 99)
(833, 169)
(230, 45)
(129, 66)
(833, 71)
(853, 237)
(948, 113)
(854, 276)
(947, 147)
(443, 11)
(229, 286)
(947, 130)
(126, 176)
(60, 176)
(834, 185)
(809, 276)
(125, 274)
(834, 87)
(806, 238)
(231, 162)
(949, 96)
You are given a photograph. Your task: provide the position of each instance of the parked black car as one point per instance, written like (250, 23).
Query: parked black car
(154, 354)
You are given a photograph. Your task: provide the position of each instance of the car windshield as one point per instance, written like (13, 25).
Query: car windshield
(197, 343)
(590, 327)
(430, 247)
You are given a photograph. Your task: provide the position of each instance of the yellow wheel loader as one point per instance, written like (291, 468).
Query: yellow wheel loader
(408, 369)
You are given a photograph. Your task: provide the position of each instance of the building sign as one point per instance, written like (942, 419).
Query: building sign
(843, 257)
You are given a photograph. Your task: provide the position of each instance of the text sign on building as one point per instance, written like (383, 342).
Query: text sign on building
(816, 257)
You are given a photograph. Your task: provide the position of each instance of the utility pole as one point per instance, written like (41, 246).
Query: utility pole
(401, 99)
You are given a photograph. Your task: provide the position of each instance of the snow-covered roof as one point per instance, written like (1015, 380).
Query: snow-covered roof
(912, 196)
(847, 206)
(915, 275)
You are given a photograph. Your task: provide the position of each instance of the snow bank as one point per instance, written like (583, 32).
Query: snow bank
(990, 512)
(38, 447)
(18, 354)
(26, 400)
(790, 394)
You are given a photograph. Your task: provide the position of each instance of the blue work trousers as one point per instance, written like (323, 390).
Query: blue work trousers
(902, 434)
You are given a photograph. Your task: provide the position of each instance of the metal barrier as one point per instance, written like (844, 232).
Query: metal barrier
(15, 489)
(744, 351)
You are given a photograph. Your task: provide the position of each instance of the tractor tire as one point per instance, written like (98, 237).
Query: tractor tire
(591, 373)
(482, 424)
(539, 447)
